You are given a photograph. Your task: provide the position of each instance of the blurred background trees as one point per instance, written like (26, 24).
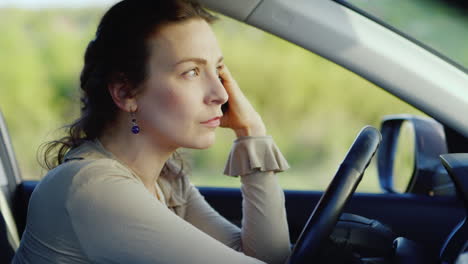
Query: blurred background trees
(312, 107)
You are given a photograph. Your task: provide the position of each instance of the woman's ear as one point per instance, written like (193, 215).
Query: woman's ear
(121, 95)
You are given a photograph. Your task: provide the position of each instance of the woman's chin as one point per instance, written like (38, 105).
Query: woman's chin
(203, 143)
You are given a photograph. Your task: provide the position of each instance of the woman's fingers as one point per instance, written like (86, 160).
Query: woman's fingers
(240, 116)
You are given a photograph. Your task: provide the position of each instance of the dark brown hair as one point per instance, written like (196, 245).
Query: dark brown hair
(119, 50)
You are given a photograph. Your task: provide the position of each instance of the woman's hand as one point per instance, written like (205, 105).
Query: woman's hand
(240, 115)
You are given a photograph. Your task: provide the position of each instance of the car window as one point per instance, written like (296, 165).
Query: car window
(441, 25)
(312, 107)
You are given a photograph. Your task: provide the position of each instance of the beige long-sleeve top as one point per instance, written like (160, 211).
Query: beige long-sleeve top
(94, 209)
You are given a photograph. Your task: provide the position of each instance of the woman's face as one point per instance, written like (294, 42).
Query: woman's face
(182, 89)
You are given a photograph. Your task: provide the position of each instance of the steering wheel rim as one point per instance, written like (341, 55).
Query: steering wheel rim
(330, 206)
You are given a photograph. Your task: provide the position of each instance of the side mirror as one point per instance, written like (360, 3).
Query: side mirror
(412, 144)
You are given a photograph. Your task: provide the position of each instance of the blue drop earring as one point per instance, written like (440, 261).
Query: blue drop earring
(135, 127)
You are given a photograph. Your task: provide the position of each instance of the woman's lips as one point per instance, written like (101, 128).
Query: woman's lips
(214, 122)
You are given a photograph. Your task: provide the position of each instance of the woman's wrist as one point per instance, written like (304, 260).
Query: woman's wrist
(251, 131)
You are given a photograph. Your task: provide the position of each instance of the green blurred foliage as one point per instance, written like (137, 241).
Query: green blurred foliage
(440, 24)
(312, 107)
(40, 54)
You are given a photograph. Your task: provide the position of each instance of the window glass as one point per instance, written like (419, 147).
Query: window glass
(441, 25)
(41, 55)
(312, 107)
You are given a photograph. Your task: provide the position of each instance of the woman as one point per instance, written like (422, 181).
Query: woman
(154, 81)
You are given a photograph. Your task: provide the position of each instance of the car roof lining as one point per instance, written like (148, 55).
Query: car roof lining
(239, 9)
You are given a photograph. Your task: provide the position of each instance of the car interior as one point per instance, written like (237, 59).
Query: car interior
(425, 222)
(420, 230)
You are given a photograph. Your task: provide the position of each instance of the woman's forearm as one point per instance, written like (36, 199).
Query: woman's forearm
(265, 233)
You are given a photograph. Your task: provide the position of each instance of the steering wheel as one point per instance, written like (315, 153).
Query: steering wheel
(330, 206)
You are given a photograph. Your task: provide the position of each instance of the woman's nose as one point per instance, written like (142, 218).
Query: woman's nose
(217, 93)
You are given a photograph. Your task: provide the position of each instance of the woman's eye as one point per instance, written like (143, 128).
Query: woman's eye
(192, 72)
(218, 69)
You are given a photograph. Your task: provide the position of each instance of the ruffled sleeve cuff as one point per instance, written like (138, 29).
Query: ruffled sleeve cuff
(250, 154)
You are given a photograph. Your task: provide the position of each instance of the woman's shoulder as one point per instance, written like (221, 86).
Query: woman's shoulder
(89, 170)
(78, 172)
(69, 178)
(96, 158)
(86, 163)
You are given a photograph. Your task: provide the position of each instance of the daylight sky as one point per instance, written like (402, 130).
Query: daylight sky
(54, 3)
